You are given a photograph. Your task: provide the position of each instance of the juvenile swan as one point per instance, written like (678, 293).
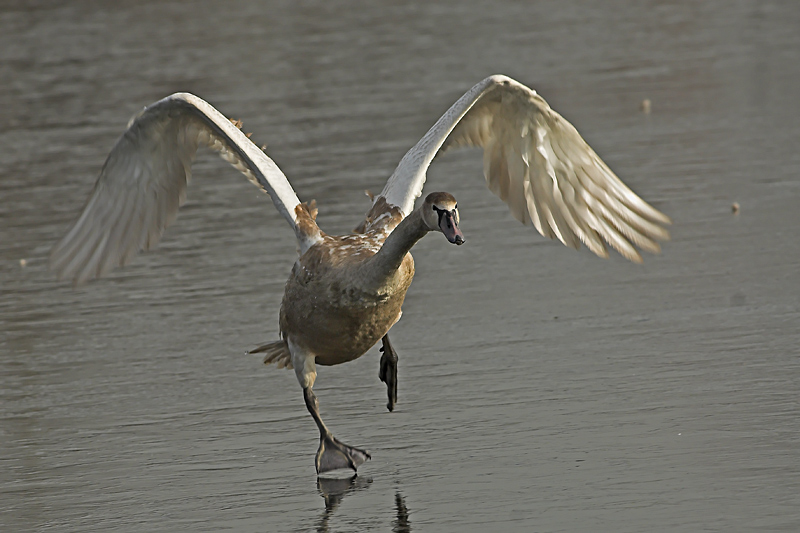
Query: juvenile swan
(345, 292)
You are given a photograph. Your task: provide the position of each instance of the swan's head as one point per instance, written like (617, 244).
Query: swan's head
(440, 213)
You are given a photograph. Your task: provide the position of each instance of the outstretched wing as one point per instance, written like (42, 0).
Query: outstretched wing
(143, 183)
(537, 163)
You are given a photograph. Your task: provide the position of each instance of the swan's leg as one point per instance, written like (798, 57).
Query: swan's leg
(388, 371)
(332, 453)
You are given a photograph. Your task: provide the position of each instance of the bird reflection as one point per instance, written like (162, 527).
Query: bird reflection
(333, 490)
(401, 524)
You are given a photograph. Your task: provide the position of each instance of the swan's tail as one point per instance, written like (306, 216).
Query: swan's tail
(275, 352)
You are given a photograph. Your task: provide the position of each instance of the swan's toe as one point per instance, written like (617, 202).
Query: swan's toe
(334, 455)
(388, 373)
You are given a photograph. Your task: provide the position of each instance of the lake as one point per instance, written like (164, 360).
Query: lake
(540, 389)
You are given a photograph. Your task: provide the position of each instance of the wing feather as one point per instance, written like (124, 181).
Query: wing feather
(516, 178)
(539, 165)
(143, 184)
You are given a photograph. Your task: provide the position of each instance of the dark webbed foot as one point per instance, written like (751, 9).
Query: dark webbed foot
(333, 454)
(388, 371)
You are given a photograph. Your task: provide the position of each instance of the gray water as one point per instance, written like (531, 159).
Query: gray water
(541, 389)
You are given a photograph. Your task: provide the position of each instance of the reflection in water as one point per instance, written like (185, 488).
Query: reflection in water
(401, 525)
(333, 490)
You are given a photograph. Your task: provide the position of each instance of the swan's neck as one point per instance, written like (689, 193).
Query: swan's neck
(383, 265)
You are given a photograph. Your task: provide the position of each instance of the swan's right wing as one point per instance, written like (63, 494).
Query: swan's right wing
(143, 183)
(539, 165)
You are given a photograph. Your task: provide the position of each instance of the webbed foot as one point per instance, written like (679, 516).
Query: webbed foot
(333, 454)
(388, 371)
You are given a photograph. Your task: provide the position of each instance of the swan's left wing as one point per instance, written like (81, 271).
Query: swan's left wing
(143, 183)
(537, 163)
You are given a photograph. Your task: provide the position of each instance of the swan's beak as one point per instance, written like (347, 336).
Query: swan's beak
(450, 229)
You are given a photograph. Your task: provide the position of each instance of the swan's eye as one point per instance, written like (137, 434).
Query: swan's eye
(456, 207)
(434, 208)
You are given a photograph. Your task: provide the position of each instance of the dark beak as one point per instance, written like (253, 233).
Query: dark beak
(450, 229)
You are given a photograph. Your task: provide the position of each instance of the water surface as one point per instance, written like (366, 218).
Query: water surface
(540, 389)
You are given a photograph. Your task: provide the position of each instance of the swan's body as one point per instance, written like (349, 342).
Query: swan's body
(336, 305)
(346, 292)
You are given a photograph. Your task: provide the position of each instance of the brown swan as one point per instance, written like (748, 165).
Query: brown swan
(346, 292)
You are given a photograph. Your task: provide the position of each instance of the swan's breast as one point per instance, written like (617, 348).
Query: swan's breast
(327, 309)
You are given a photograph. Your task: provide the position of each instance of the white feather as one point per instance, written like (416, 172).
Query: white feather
(144, 179)
(539, 165)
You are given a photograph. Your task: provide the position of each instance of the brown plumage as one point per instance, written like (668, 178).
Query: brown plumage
(346, 292)
(332, 308)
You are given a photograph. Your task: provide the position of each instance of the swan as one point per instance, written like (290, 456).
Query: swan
(345, 292)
